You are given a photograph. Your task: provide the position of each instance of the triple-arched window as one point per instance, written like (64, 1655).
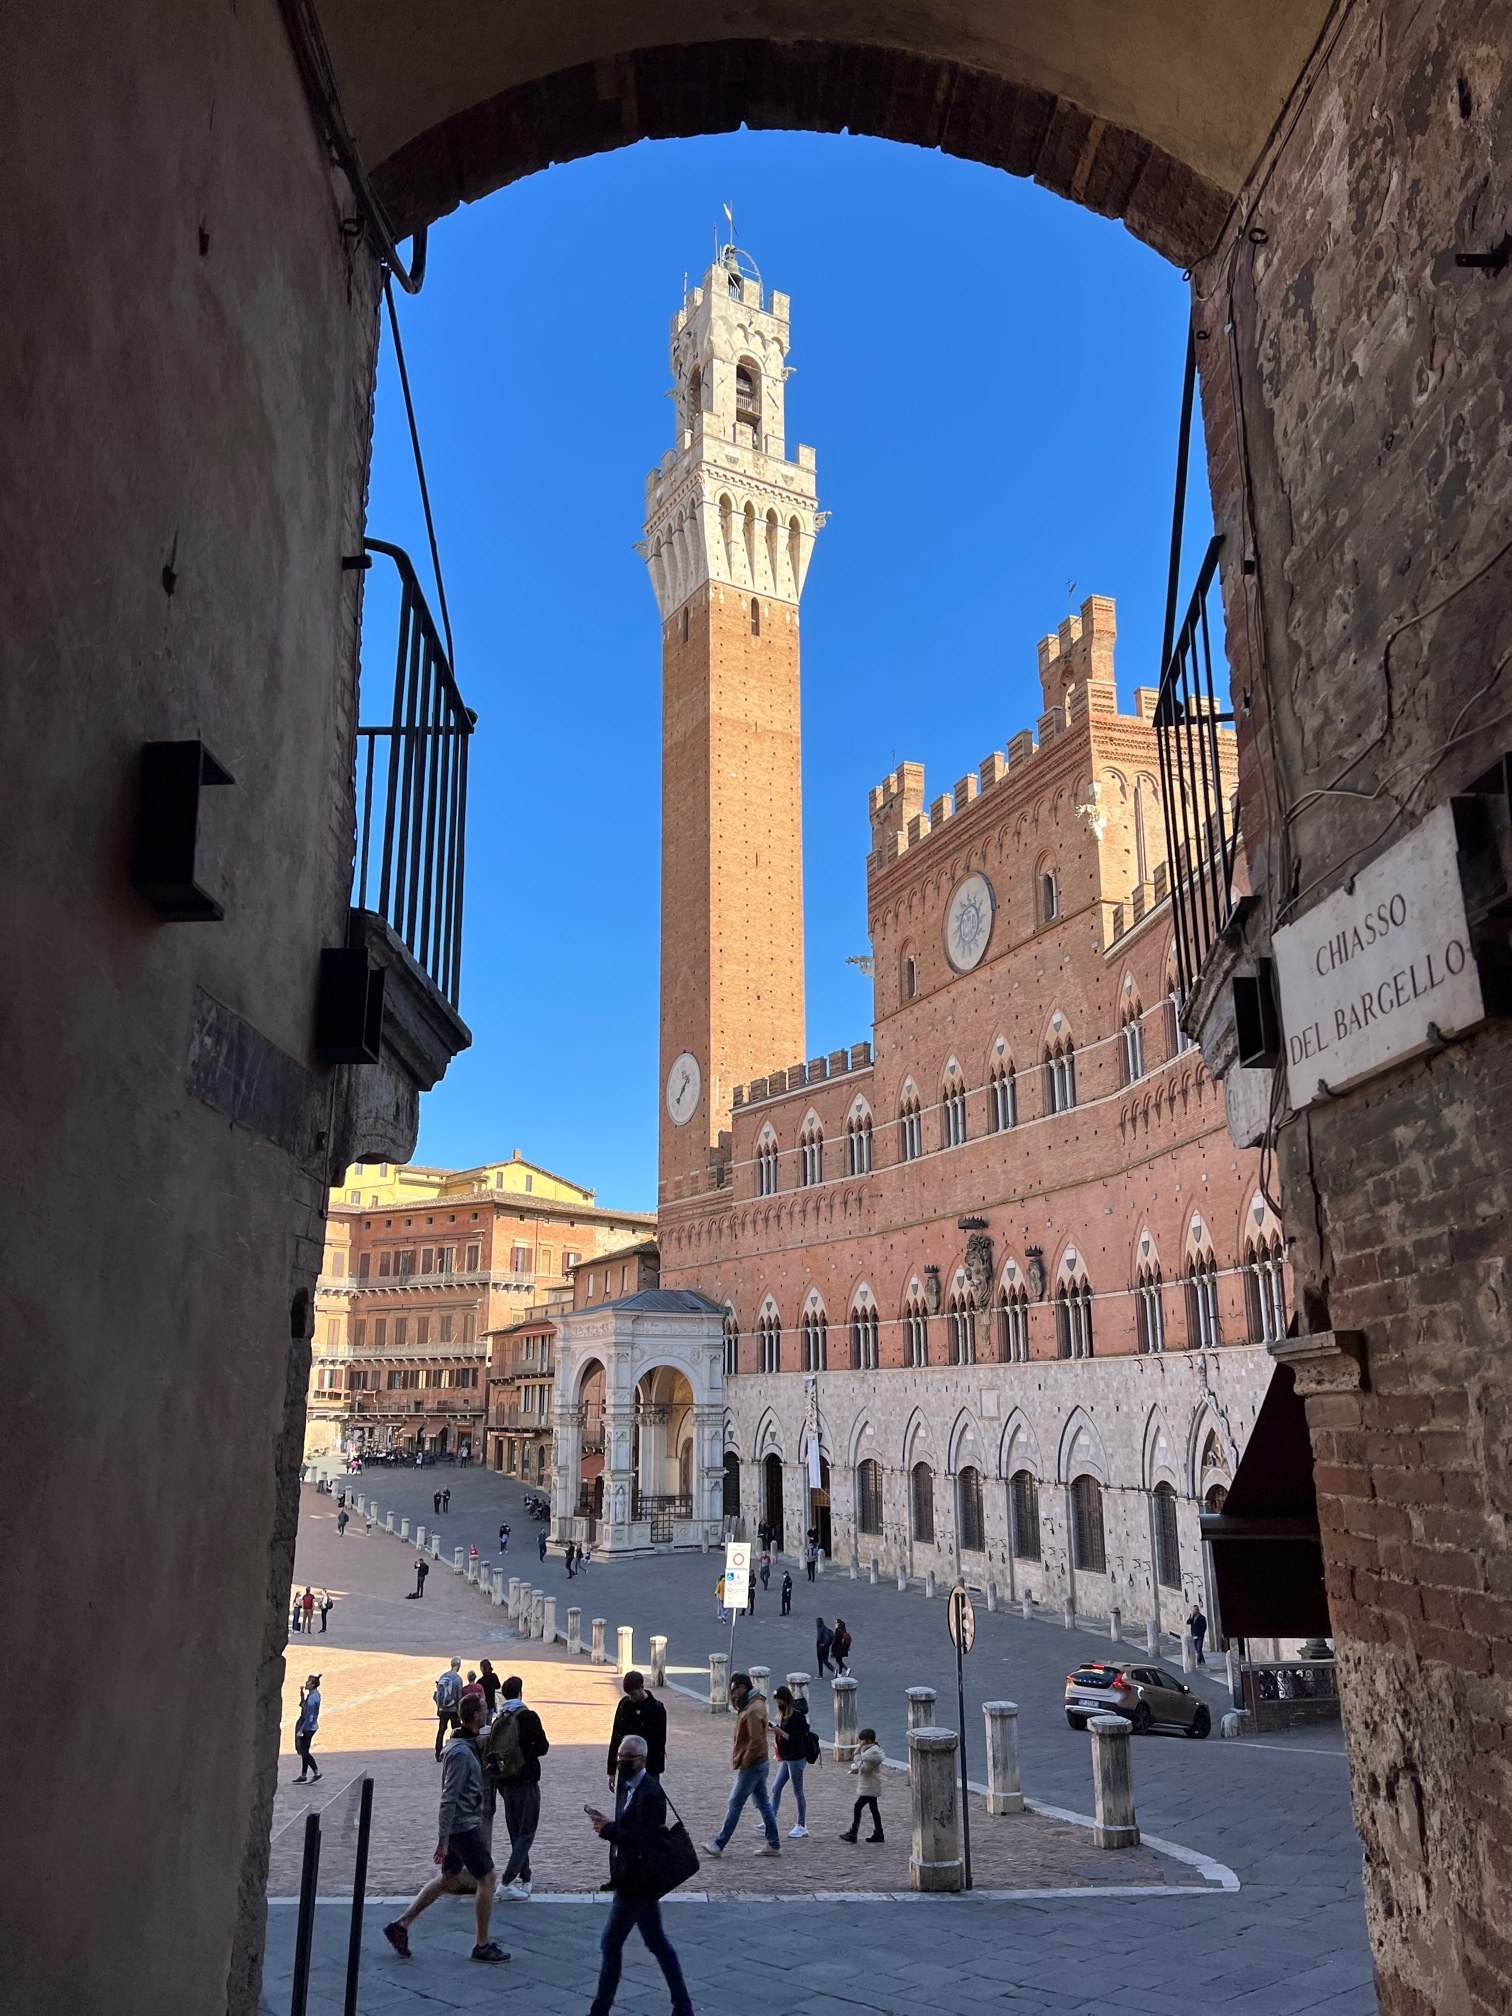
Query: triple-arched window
(858, 1144)
(915, 1331)
(959, 1332)
(811, 1154)
(953, 1111)
(971, 1524)
(1002, 1098)
(1149, 1311)
(1060, 1075)
(769, 1335)
(1013, 1325)
(815, 1339)
(766, 1165)
(1073, 1319)
(1204, 1332)
(910, 1127)
(731, 1344)
(1265, 1289)
(863, 1337)
(1131, 1057)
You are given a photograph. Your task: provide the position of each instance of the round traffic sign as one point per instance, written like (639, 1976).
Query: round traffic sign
(961, 1618)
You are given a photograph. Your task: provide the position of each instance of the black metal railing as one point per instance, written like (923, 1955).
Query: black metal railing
(1198, 773)
(412, 794)
(663, 1512)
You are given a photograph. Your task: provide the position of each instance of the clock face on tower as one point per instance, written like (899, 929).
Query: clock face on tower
(968, 922)
(684, 1083)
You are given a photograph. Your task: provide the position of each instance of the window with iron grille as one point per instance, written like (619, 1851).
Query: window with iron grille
(869, 1496)
(1167, 1544)
(1088, 1550)
(921, 1502)
(1023, 1515)
(971, 1525)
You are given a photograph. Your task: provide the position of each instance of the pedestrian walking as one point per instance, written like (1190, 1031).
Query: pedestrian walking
(585, 1558)
(640, 1819)
(422, 1569)
(1197, 1625)
(341, 1525)
(787, 1593)
(721, 1615)
(810, 1559)
(840, 1644)
(766, 1568)
(307, 1609)
(569, 1555)
(751, 1593)
(503, 1539)
(472, 1557)
(473, 1685)
(326, 1605)
(490, 1682)
(639, 1713)
(867, 1768)
(794, 1754)
(369, 1519)
(446, 1499)
(749, 1760)
(436, 1502)
(512, 1753)
(461, 1847)
(447, 1696)
(541, 1543)
(824, 1640)
(305, 1727)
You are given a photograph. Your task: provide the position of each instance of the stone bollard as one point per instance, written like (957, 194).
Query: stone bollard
(472, 1569)
(513, 1602)
(1112, 1783)
(498, 1586)
(522, 1612)
(819, 1563)
(935, 1861)
(798, 1684)
(357, 1504)
(458, 1556)
(1028, 1608)
(624, 1648)
(921, 1708)
(388, 1522)
(719, 1683)
(1236, 1722)
(1188, 1652)
(548, 1620)
(1069, 1614)
(761, 1680)
(1152, 1638)
(598, 1655)
(575, 1631)
(435, 1546)
(929, 1586)
(902, 1576)
(855, 1568)
(1115, 1623)
(872, 1572)
(991, 1597)
(538, 1613)
(404, 1528)
(1005, 1788)
(845, 1718)
(658, 1676)
(420, 1538)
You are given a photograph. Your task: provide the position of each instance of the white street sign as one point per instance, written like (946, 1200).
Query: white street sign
(737, 1574)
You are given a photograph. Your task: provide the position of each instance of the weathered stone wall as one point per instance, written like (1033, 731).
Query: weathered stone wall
(1367, 374)
(186, 401)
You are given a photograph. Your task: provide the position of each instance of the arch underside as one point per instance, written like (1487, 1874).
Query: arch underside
(1031, 117)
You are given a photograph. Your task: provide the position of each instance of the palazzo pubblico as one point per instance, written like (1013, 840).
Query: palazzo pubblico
(989, 1294)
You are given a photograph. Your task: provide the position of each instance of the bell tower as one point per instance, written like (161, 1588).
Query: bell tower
(730, 525)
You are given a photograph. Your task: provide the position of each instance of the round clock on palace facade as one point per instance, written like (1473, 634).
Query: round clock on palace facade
(968, 921)
(684, 1083)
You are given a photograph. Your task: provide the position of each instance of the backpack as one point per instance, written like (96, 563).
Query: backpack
(503, 1751)
(448, 1690)
(813, 1749)
(841, 1644)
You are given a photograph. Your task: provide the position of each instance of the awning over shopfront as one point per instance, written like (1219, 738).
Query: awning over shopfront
(1267, 1554)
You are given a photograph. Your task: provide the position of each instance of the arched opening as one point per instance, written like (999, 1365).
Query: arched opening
(1167, 1542)
(1024, 1515)
(921, 1503)
(869, 1496)
(731, 1505)
(971, 1521)
(771, 1500)
(1089, 1553)
(589, 1497)
(747, 404)
(661, 1452)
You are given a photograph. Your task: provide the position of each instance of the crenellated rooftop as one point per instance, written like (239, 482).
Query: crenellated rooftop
(817, 1071)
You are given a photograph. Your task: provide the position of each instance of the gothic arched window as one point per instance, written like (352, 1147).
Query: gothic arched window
(1167, 1544)
(815, 1335)
(1088, 1549)
(911, 1126)
(1073, 1318)
(958, 1330)
(1060, 1075)
(1204, 1332)
(1002, 1099)
(921, 1502)
(769, 1334)
(766, 1165)
(1013, 1325)
(915, 1332)
(1149, 1312)
(811, 1154)
(731, 1344)
(953, 1111)
(1264, 1290)
(863, 1338)
(869, 1495)
(971, 1525)
(748, 399)
(858, 1144)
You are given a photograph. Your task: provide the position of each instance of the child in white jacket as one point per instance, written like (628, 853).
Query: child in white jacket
(867, 1767)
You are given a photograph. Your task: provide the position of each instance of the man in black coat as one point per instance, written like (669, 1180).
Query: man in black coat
(640, 1812)
(639, 1714)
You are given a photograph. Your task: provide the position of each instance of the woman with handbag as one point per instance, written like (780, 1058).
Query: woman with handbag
(646, 1860)
(792, 1739)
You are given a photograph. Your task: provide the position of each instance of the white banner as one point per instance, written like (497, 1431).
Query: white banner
(737, 1574)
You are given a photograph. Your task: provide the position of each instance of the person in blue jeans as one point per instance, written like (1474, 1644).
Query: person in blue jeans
(792, 1738)
(748, 1756)
(640, 1812)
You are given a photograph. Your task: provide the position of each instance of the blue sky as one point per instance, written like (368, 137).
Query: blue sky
(991, 379)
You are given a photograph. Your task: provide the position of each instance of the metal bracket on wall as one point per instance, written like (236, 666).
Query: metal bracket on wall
(163, 864)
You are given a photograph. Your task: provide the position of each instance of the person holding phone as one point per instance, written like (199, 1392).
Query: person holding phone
(640, 1813)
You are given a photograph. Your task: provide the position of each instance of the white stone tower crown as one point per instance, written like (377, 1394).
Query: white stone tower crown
(726, 506)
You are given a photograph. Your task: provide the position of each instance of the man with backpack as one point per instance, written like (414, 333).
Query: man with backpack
(512, 1753)
(448, 1699)
(461, 1846)
(640, 1817)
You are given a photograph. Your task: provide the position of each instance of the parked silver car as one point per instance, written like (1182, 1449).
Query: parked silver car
(1148, 1696)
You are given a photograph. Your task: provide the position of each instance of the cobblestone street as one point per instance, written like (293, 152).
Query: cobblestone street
(1291, 1939)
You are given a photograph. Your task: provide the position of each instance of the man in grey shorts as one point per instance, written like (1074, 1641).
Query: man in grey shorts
(462, 1846)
